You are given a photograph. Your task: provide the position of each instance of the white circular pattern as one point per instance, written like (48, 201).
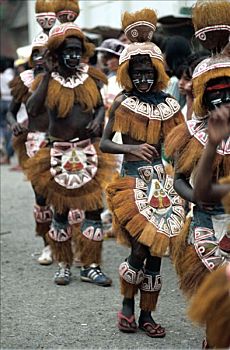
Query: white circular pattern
(134, 33)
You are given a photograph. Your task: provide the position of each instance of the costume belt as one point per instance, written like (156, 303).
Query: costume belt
(73, 164)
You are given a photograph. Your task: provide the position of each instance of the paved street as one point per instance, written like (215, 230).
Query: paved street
(37, 314)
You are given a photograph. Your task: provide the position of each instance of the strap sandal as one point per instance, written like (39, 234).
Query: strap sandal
(126, 324)
(153, 330)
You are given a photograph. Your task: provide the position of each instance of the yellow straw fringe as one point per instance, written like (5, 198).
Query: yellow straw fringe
(209, 13)
(210, 307)
(148, 15)
(199, 85)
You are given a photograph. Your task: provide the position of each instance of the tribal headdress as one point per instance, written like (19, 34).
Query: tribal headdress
(59, 33)
(139, 27)
(45, 14)
(67, 10)
(211, 20)
(39, 42)
(217, 66)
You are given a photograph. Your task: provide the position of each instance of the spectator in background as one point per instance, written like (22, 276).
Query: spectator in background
(185, 81)
(110, 50)
(6, 75)
(177, 50)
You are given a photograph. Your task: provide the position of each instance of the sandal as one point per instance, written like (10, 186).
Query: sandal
(126, 324)
(153, 330)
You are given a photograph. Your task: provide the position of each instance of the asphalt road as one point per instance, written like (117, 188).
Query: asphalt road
(37, 314)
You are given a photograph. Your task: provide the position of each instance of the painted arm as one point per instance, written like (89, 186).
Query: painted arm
(36, 101)
(218, 129)
(183, 187)
(143, 151)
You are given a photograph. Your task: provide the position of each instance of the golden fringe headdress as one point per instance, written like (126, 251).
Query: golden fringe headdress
(210, 68)
(211, 20)
(59, 33)
(67, 10)
(45, 13)
(39, 42)
(139, 28)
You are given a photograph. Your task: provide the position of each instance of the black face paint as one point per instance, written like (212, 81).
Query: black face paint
(217, 95)
(142, 73)
(70, 53)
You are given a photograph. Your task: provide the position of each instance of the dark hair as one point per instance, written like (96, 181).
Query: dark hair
(192, 61)
(177, 49)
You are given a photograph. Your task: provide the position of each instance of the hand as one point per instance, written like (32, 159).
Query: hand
(219, 124)
(18, 129)
(144, 151)
(94, 128)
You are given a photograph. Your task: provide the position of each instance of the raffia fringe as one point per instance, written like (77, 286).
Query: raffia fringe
(42, 228)
(88, 197)
(76, 234)
(128, 290)
(19, 91)
(20, 149)
(199, 85)
(90, 251)
(148, 300)
(211, 305)
(61, 251)
(131, 221)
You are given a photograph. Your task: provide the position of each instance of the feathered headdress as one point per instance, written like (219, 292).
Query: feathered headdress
(67, 10)
(139, 27)
(213, 67)
(211, 20)
(45, 14)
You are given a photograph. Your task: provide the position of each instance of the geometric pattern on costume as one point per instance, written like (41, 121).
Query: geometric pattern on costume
(147, 48)
(75, 80)
(158, 202)
(148, 207)
(46, 19)
(75, 216)
(199, 129)
(35, 141)
(73, 164)
(213, 245)
(92, 230)
(130, 274)
(152, 282)
(60, 234)
(42, 214)
(162, 111)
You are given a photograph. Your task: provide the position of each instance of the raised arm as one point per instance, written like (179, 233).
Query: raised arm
(218, 129)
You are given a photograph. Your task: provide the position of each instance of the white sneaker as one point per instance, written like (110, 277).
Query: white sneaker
(46, 257)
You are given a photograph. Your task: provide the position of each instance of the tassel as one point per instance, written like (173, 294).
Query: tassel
(90, 251)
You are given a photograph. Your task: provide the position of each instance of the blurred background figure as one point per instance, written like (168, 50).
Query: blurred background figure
(185, 81)
(176, 51)
(109, 53)
(6, 75)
